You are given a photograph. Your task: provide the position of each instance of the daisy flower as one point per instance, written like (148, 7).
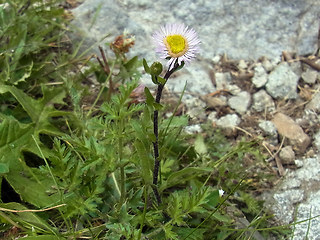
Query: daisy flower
(176, 42)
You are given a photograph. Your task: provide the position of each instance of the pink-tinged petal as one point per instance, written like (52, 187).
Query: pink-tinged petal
(190, 36)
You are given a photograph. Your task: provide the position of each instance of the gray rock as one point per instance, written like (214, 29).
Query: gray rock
(289, 197)
(212, 116)
(195, 108)
(240, 102)
(288, 200)
(284, 201)
(268, 127)
(270, 131)
(287, 127)
(308, 229)
(197, 114)
(260, 77)
(309, 118)
(317, 140)
(296, 67)
(282, 82)
(229, 121)
(194, 102)
(216, 59)
(224, 82)
(287, 155)
(314, 104)
(262, 102)
(268, 65)
(192, 129)
(194, 77)
(224, 26)
(214, 102)
(298, 163)
(309, 76)
(242, 64)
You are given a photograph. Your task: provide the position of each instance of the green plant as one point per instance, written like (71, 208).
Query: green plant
(76, 166)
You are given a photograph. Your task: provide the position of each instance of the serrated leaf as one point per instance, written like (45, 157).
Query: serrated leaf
(22, 74)
(40, 111)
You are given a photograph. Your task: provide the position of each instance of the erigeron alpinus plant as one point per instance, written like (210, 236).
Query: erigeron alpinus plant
(179, 44)
(94, 175)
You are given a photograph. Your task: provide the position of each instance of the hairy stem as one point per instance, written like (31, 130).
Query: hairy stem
(156, 133)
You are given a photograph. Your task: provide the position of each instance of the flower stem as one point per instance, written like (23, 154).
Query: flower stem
(156, 133)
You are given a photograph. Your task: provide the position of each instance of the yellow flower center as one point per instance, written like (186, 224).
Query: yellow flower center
(176, 44)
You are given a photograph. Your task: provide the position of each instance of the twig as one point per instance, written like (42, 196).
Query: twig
(243, 130)
(106, 69)
(279, 165)
(30, 210)
(311, 63)
(273, 155)
(276, 158)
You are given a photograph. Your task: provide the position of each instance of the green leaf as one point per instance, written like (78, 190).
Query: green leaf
(183, 175)
(214, 199)
(4, 168)
(44, 237)
(28, 217)
(132, 63)
(149, 97)
(157, 106)
(22, 74)
(180, 66)
(183, 232)
(42, 110)
(154, 79)
(145, 65)
(145, 162)
(161, 80)
(200, 145)
(176, 122)
(30, 183)
(20, 47)
(222, 218)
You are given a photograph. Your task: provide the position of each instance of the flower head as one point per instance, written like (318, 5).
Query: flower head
(177, 42)
(123, 43)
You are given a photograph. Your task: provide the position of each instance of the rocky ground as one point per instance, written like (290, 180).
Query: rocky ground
(280, 101)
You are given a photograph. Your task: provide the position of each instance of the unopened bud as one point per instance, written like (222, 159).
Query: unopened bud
(156, 68)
